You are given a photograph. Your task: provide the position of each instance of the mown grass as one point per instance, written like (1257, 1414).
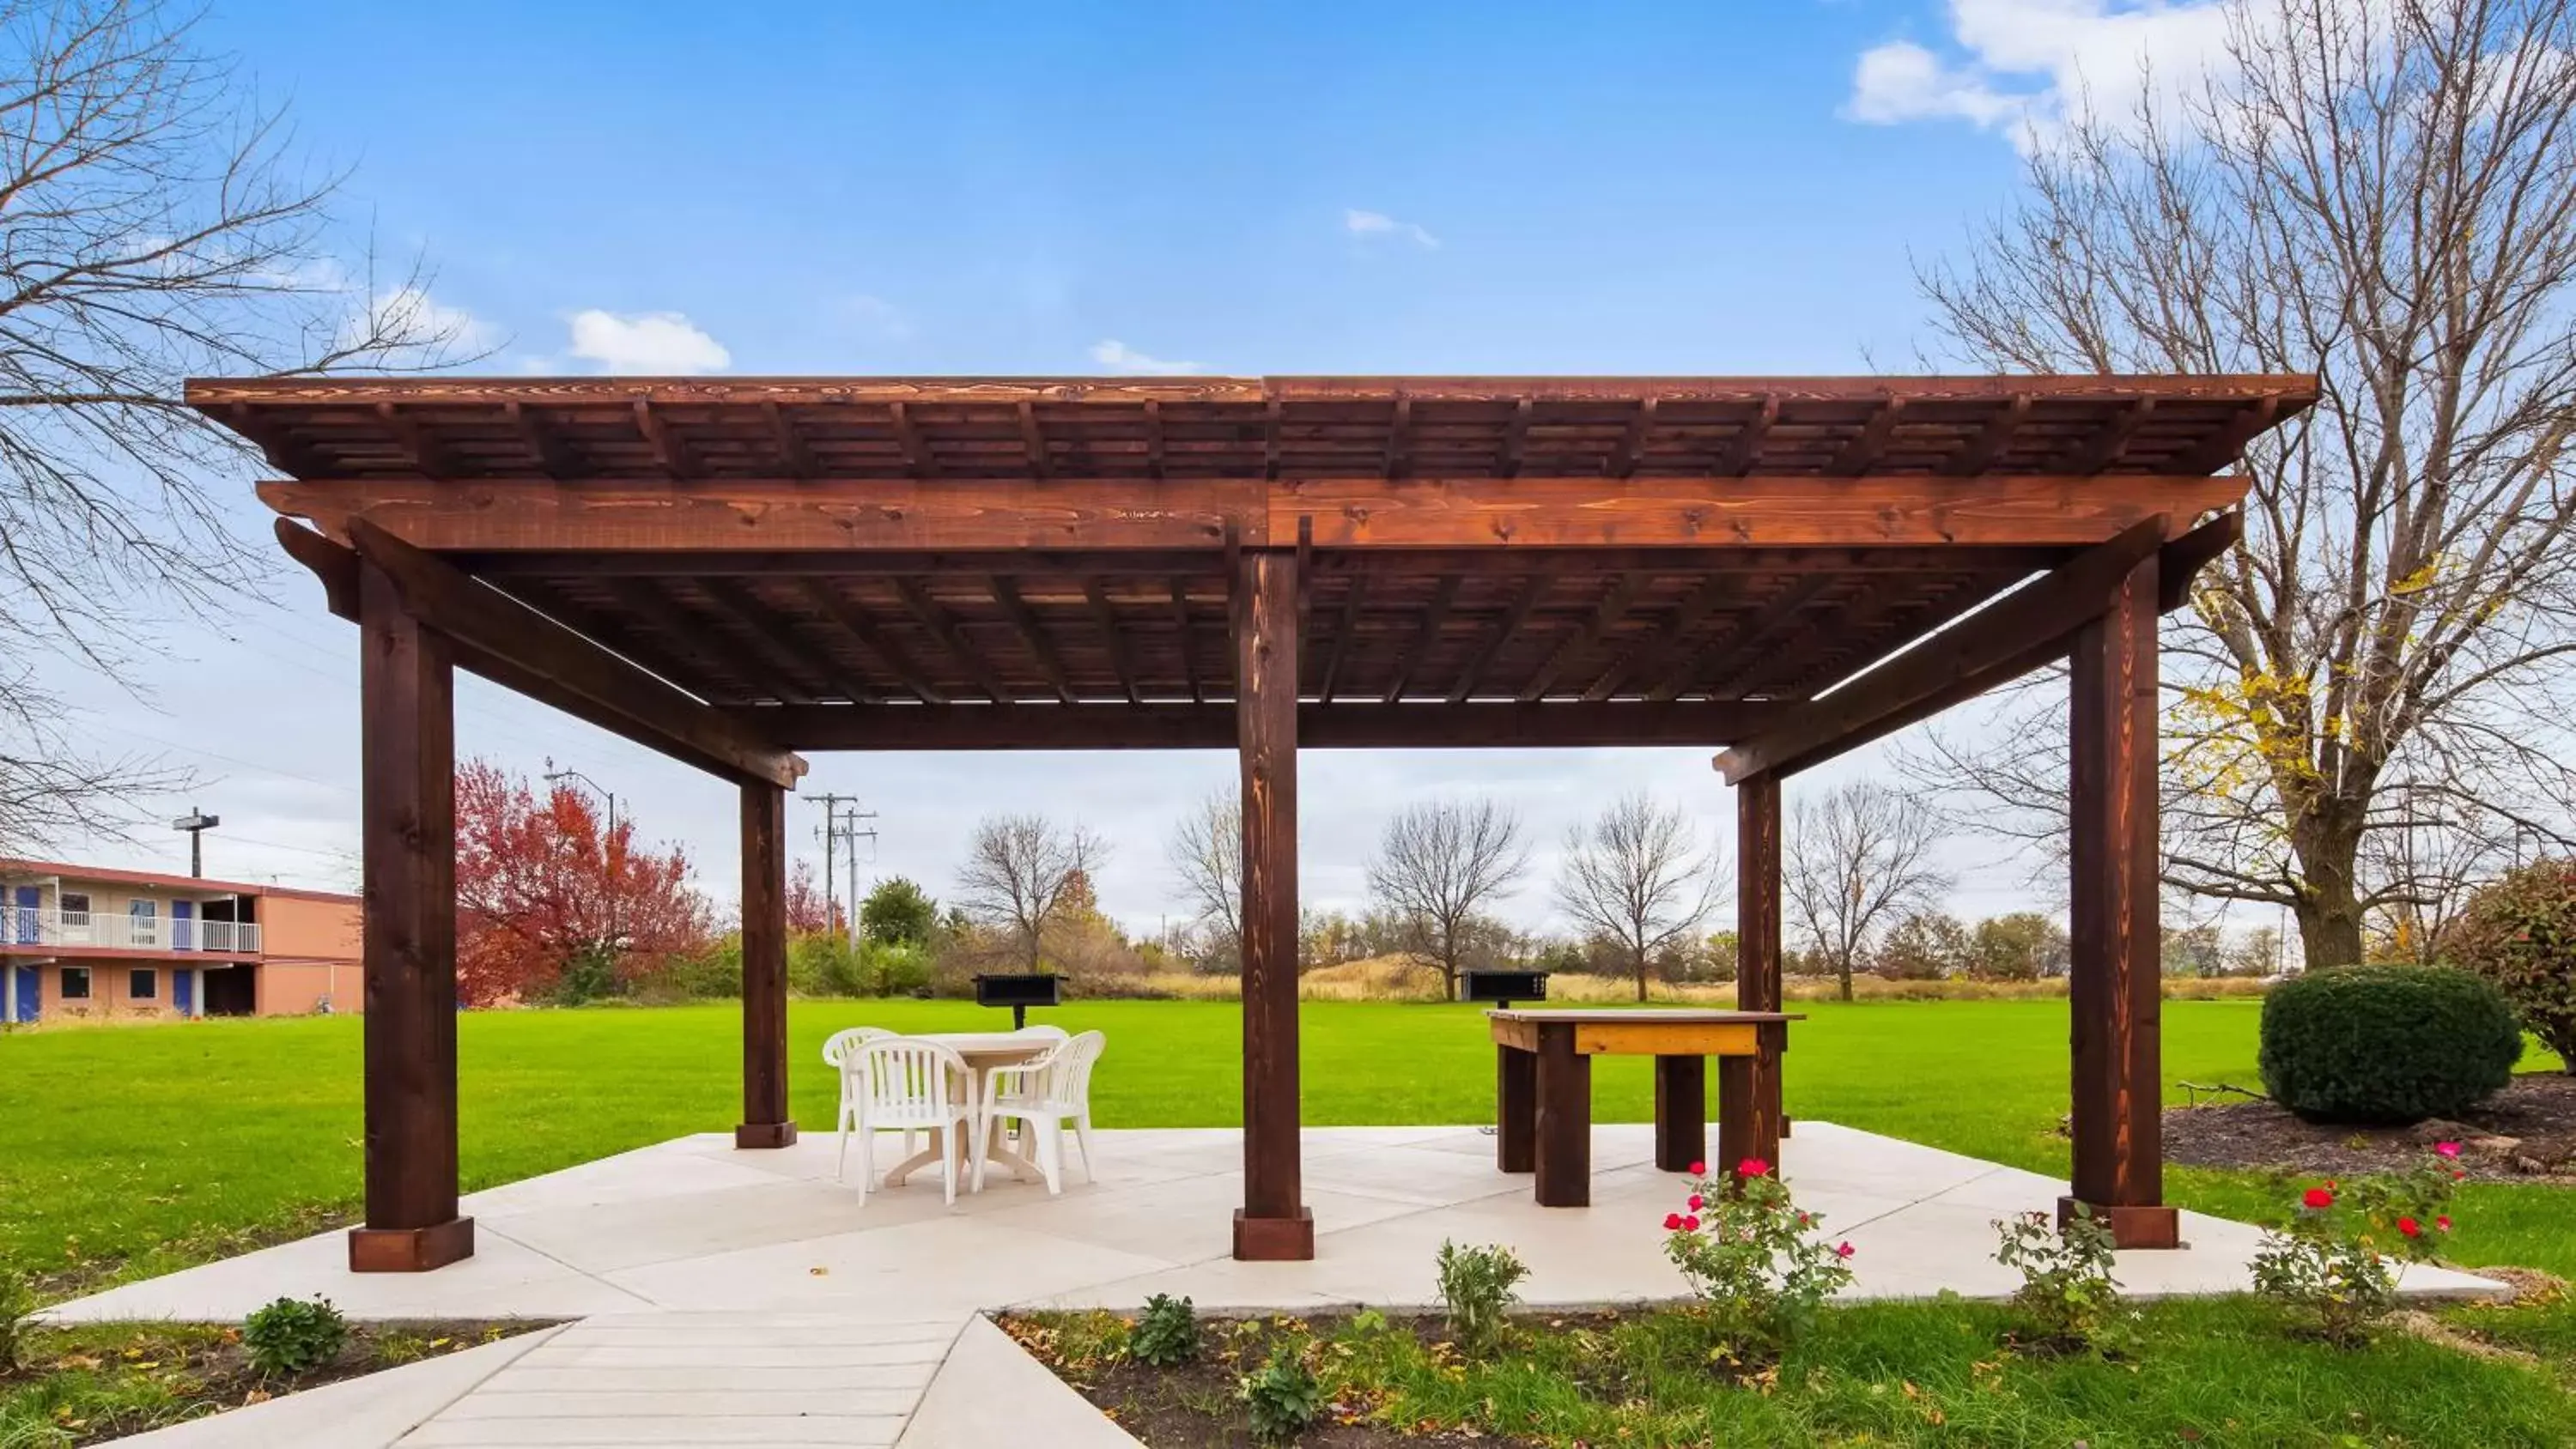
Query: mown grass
(132, 1151)
(2217, 1372)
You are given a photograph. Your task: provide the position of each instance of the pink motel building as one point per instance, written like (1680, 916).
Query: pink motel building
(88, 941)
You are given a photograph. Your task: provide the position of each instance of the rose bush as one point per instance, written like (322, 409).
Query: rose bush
(1754, 1258)
(2340, 1258)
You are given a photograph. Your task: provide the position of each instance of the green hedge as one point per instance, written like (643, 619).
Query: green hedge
(2386, 1044)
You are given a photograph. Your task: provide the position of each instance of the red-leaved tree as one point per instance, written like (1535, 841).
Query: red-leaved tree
(542, 887)
(808, 913)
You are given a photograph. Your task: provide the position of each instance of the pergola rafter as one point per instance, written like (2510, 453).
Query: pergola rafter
(730, 570)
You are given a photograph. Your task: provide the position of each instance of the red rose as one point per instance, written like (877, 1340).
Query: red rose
(2446, 1149)
(2410, 1227)
(1842, 1250)
(2443, 1222)
(1699, 1169)
(1691, 1222)
(1753, 1167)
(2319, 1198)
(1697, 1202)
(1672, 1222)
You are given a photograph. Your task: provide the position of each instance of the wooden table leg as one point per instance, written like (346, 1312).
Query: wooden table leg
(1564, 1120)
(1515, 1109)
(1681, 1112)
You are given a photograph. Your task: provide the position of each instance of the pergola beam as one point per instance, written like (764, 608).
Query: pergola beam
(652, 514)
(514, 646)
(1159, 726)
(2038, 617)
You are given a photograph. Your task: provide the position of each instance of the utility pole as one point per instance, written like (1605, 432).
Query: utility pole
(196, 822)
(851, 834)
(831, 833)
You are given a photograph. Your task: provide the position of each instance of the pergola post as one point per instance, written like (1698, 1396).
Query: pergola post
(2116, 998)
(408, 938)
(1273, 1222)
(1748, 1088)
(765, 1122)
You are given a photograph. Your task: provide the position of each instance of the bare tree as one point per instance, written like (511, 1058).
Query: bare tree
(1858, 858)
(1438, 863)
(1637, 877)
(157, 225)
(1206, 854)
(2385, 194)
(1021, 870)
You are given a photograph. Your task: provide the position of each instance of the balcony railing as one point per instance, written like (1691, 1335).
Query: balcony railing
(27, 926)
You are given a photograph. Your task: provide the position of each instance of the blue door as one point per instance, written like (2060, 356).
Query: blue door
(28, 986)
(183, 930)
(183, 990)
(26, 915)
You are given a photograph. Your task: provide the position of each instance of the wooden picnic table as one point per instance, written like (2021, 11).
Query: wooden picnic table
(1543, 1088)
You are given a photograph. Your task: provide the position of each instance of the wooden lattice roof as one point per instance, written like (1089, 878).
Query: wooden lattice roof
(1281, 427)
(781, 547)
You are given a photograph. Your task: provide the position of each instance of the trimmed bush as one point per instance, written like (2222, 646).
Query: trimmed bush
(2520, 933)
(2386, 1045)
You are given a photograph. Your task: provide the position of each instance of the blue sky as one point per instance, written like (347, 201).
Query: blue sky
(1723, 188)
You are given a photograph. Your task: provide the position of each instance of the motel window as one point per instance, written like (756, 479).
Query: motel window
(144, 919)
(143, 985)
(75, 983)
(75, 909)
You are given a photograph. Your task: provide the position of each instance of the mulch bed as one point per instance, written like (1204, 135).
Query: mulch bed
(210, 1372)
(2525, 1133)
(1196, 1406)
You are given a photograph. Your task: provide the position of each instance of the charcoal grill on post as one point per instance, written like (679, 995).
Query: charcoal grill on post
(1019, 991)
(1502, 988)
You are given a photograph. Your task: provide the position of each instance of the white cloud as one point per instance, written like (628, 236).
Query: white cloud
(2023, 65)
(1378, 223)
(645, 342)
(1117, 356)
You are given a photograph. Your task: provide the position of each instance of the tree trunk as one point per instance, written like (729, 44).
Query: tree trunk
(2328, 910)
(1843, 973)
(1641, 978)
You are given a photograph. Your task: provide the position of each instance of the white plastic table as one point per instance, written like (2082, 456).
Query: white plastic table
(983, 1051)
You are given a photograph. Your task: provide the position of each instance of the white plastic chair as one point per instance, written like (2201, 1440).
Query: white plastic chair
(1044, 1094)
(901, 1081)
(837, 1048)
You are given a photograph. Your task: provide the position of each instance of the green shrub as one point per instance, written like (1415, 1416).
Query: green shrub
(1284, 1398)
(1167, 1332)
(895, 968)
(2519, 933)
(2386, 1044)
(17, 1307)
(294, 1335)
(1477, 1286)
(2067, 1296)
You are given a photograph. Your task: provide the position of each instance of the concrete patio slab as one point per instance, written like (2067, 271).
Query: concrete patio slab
(373, 1412)
(697, 1225)
(747, 1297)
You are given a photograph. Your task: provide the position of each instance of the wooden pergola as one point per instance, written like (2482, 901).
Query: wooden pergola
(731, 571)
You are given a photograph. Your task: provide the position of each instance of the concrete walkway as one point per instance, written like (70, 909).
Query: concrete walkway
(761, 1270)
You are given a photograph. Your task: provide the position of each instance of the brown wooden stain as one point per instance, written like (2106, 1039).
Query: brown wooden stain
(724, 568)
(1748, 1088)
(1266, 653)
(765, 1120)
(2115, 1003)
(407, 941)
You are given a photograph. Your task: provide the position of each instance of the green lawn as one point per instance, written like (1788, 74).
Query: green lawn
(129, 1150)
